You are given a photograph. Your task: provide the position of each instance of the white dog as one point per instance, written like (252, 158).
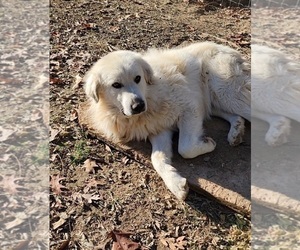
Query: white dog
(138, 96)
(275, 91)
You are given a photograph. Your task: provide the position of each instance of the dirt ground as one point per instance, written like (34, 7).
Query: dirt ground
(95, 188)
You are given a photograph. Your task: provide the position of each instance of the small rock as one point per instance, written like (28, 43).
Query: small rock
(206, 158)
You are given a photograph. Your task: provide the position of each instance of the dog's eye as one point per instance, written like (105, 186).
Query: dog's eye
(117, 85)
(137, 79)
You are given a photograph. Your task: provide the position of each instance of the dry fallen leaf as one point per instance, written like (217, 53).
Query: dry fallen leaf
(174, 244)
(94, 183)
(77, 197)
(107, 148)
(59, 223)
(181, 242)
(14, 223)
(73, 115)
(5, 133)
(125, 160)
(62, 219)
(122, 242)
(64, 245)
(36, 115)
(56, 81)
(8, 80)
(22, 245)
(89, 165)
(78, 80)
(5, 157)
(90, 25)
(114, 28)
(53, 134)
(91, 197)
(164, 242)
(55, 185)
(42, 81)
(53, 157)
(9, 185)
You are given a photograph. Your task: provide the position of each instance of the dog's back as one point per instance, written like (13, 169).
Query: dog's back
(227, 75)
(275, 83)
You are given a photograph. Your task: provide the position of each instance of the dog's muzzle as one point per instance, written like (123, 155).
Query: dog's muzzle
(138, 106)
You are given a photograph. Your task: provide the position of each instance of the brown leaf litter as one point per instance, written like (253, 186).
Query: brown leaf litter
(9, 185)
(55, 185)
(121, 241)
(89, 166)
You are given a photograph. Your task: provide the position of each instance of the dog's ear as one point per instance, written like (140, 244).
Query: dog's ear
(92, 85)
(148, 72)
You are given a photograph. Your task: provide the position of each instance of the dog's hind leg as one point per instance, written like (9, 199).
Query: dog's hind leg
(237, 126)
(191, 140)
(161, 160)
(279, 128)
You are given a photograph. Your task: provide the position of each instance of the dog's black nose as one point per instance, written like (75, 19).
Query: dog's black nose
(138, 106)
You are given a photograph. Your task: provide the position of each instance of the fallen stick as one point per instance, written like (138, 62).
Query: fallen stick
(275, 201)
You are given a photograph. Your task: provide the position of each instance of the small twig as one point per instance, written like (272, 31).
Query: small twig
(19, 163)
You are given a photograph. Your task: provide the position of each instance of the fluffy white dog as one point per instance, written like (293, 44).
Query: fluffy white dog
(138, 96)
(275, 91)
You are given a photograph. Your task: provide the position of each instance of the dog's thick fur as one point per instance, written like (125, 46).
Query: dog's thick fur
(138, 96)
(275, 91)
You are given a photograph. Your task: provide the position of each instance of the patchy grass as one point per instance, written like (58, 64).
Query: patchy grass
(41, 153)
(80, 152)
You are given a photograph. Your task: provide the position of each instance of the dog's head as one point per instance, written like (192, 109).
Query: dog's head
(120, 79)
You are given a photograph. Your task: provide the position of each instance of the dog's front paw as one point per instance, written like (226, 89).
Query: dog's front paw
(177, 185)
(199, 147)
(236, 133)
